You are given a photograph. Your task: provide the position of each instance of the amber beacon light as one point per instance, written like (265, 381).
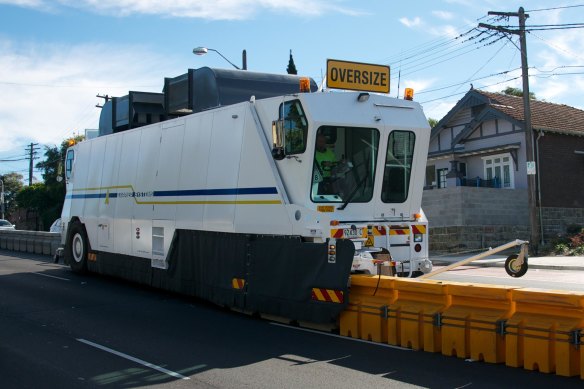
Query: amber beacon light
(305, 84)
(409, 94)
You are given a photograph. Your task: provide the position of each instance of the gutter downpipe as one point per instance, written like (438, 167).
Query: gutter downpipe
(539, 185)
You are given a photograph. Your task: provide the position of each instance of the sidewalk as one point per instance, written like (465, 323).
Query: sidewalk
(549, 263)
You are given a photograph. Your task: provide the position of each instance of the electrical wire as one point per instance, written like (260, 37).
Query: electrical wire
(554, 8)
(461, 93)
(553, 46)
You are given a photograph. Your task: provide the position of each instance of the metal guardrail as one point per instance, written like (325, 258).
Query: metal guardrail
(35, 242)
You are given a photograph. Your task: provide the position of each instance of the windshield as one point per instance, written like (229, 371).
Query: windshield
(344, 164)
(4, 223)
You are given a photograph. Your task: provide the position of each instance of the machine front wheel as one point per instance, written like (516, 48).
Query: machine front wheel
(513, 268)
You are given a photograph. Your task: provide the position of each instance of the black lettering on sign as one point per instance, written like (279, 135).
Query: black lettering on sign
(334, 74)
(365, 76)
(383, 79)
(376, 82)
(358, 76)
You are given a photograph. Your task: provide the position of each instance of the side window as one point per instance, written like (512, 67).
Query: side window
(295, 126)
(69, 163)
(398, 167)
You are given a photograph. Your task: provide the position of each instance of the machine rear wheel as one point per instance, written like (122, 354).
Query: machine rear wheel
(78, 248)
(513, 268)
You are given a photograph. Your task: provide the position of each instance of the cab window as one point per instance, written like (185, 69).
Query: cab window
(344, 164)
(398, 167)
(295, 126)
(69, 163)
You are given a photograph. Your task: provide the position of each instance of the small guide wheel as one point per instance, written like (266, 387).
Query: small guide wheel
(513, 268)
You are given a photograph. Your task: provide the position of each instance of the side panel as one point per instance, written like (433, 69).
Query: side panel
(125, 204)
(263, 216)
(92, 190)
(144, 185)
(166, 194)
(193, 173)
(107, 205)
(223, 168)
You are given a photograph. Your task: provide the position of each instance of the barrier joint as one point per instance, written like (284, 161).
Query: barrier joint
(384, 311)
(501, 327)
(437, 320)
(576, 338)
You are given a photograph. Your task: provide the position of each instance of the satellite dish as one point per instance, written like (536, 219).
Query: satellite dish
(59, 178)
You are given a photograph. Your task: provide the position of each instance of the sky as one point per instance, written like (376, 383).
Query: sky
(56, 56)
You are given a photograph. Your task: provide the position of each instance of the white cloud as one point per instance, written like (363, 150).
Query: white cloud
(411, 22)
(23, 3)
(203, 9)
(445, 31)
(444, 15)
(438, 109)
(50, 90)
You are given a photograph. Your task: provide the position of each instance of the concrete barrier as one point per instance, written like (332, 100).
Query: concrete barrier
(34, 242)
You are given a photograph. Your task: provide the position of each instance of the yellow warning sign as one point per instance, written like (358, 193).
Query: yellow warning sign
(370, 241)
(357, 76)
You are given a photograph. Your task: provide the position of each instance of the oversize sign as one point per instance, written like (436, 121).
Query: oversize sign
(357, 76)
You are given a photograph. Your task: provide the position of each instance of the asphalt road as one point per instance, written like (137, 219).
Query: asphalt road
(62, 330)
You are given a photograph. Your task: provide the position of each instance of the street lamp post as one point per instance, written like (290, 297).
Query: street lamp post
(204, 50)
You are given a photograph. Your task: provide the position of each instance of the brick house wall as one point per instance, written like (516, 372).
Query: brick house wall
(561, 171)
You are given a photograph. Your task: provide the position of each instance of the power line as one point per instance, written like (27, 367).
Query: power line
(554, 8)
(461, 93)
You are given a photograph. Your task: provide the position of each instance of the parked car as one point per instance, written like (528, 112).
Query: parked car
(56, 226)
(6, 225)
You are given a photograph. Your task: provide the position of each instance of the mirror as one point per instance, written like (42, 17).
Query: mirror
(278, 139)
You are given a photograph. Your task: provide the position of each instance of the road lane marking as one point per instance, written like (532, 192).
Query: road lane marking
(341, 337)
(46, 275)
(139, 361)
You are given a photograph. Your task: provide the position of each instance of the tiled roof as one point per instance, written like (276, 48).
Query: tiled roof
(546, 116)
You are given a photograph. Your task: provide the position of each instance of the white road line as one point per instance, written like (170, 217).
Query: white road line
(139, 361)
(46, 275)
(341, 337)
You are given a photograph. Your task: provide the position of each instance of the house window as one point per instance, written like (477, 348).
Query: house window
(430, 176)
(442, 177)
(462, 169)
(499, 170)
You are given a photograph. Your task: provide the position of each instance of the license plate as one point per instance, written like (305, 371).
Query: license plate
(353, 233)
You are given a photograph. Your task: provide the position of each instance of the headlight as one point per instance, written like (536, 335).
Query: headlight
(418, 237)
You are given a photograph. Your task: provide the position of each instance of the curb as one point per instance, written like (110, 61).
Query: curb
(501, 264)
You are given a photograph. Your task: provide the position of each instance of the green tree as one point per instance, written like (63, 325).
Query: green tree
(47, 198)
(12, 185)
(517, 92)
(432, 122)
(291, 69)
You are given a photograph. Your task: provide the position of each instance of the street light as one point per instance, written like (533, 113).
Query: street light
(204, 50)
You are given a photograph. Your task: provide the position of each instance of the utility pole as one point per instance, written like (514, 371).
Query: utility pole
(31, 150)
(529, 142)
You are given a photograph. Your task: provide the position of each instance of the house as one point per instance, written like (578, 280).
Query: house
(475, 192)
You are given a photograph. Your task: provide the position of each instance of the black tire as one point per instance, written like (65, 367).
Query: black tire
(77, 248)
(512, 269)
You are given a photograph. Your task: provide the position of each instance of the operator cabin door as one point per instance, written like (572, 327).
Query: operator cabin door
(396, 191)
(105, 225)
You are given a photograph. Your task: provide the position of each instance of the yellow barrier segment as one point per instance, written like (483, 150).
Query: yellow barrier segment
(472, 325)
(368, 301)
(540, 334)
(411, 317)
